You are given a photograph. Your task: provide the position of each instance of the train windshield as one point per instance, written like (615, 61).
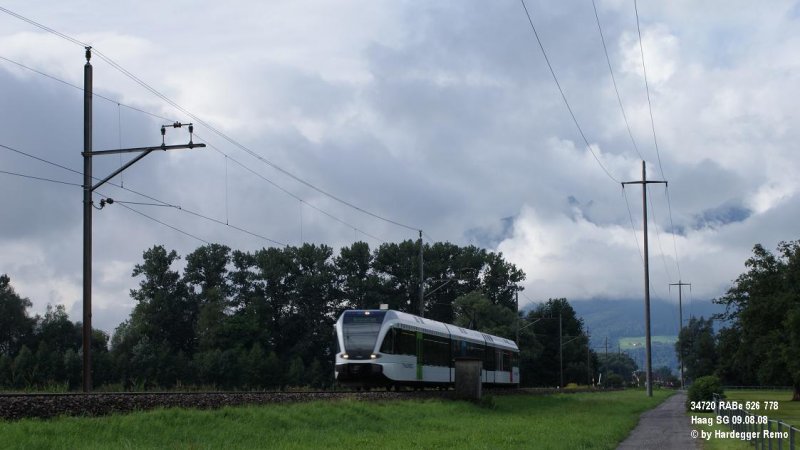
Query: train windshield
(360, 330)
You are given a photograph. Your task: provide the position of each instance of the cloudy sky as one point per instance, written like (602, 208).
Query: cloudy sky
(438, 115)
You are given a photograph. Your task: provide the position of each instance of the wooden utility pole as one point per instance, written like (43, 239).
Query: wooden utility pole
(649, 362)
(680, 285)
(88, 188)
(421, 280)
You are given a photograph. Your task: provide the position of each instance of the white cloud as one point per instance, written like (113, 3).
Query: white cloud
(442, 116)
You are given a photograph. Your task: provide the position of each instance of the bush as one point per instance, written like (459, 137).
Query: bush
(613, 381)
(703, 389)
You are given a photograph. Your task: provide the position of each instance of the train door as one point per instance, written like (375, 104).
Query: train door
(419, 355)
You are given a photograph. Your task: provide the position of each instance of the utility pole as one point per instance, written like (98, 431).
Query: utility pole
(87, 223)
(680, 285)
(516, 296)
(421, 280)
(649, 364)
(88, 188)
(560, 353)
(588, 359)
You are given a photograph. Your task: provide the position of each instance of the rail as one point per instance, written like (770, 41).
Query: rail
(758, 427)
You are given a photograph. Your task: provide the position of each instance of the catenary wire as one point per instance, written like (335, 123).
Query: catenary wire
(161, 202)
(614, 81)
(242, 147)
(196, 135)
(284, 190)
(67, 83)
(16, 174)
(563, 96)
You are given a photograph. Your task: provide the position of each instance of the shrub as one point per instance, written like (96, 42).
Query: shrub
(704, 388)
(614, 381)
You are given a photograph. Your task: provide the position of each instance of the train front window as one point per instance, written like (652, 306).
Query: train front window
(360, 331)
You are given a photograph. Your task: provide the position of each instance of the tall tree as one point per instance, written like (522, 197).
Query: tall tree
(573, 342)
(16, 327)
(696, 342)
(206, 278)
(762, 309)
(356, 278)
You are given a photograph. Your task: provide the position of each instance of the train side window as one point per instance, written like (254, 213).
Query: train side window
(405, 342)
(489, 359)
(435, 350)
(389, 342)
(507, 361)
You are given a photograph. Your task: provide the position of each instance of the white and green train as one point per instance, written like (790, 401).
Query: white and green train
(386, 348)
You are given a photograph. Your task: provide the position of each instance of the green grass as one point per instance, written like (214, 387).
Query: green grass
(628, 343)
(718, 444)
(575, 421)
(788, 411)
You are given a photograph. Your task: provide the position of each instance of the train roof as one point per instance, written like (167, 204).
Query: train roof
(412, 322)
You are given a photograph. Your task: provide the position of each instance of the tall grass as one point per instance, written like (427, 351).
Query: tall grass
(574, 421)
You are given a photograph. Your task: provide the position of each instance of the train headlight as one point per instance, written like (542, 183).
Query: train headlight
(345, 356)
(374, 356)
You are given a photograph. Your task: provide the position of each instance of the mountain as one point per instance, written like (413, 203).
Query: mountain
(620, 324)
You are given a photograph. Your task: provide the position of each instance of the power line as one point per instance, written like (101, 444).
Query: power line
(655, 139)
(635, 237)
(614, 81)
(81, 173)
(67, 83)
(40, 178)
(38, 25)
(563, 96)
(672, 225)
(658, 235)
(165, 224)
(284, 190)
(160, 202)
(175, 105)
(121, 186)
(647, 88)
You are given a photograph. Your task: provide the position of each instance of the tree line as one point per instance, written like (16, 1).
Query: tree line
(233, 319)
(759, 340)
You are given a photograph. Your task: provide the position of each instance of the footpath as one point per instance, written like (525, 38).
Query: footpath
(666, 427)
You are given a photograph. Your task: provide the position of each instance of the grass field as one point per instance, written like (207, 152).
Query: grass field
(719, 444)
(628, 343)
(788, 411)
(574, 421)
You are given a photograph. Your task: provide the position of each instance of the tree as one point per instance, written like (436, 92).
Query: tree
(163, 311)
(573, 349)
(696, 342)
(476, 311)
(762, 309)
(15, 325)
(620, 364)
(24, 368)
(357, 281)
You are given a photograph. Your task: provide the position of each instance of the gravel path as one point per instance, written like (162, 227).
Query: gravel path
(666, 427)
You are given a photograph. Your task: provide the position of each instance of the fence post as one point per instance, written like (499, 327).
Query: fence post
(769, 431)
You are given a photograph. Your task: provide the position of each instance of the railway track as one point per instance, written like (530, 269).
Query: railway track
(15, 406)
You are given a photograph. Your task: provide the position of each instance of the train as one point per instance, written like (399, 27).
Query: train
(393, 349)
